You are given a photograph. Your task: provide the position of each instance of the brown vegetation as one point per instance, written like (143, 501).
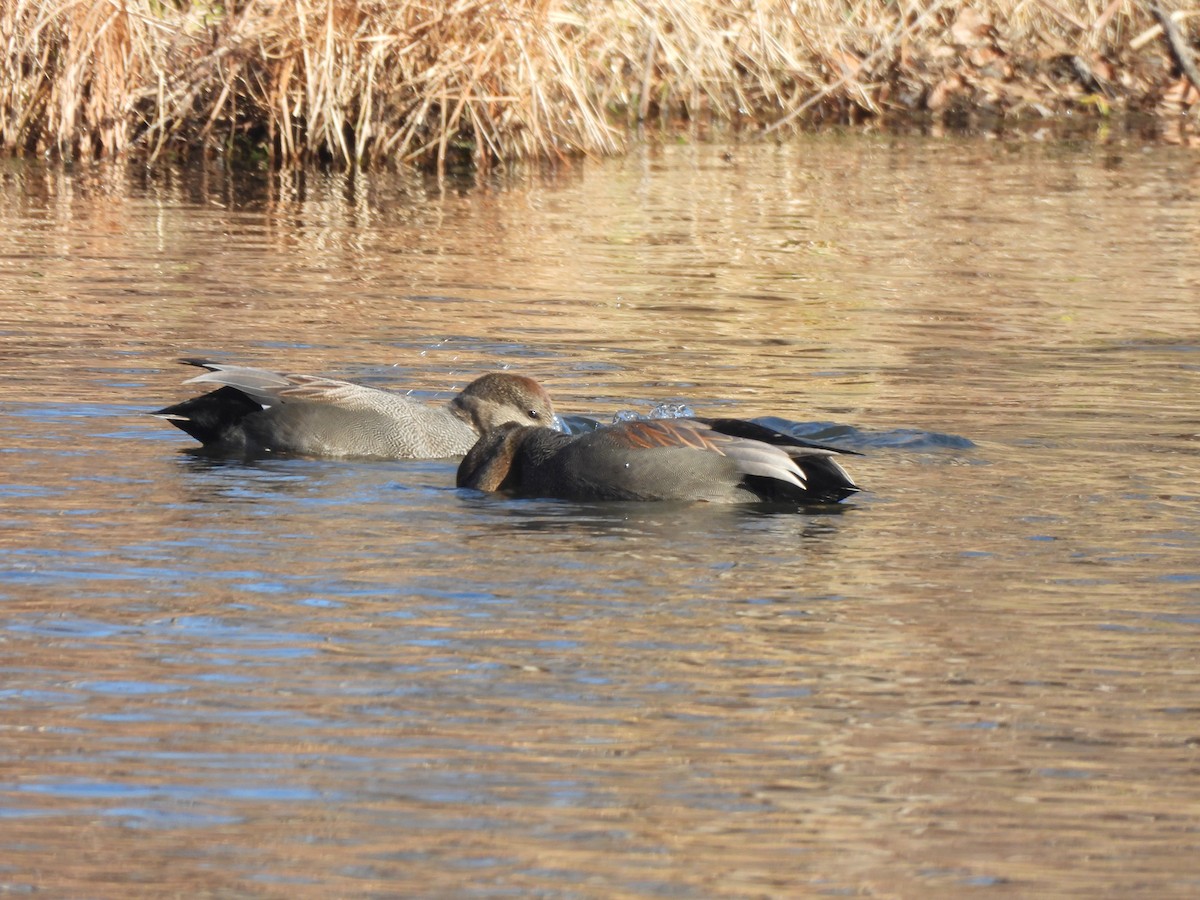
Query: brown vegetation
(430, 81)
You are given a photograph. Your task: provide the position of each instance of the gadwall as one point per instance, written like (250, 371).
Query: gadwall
(719, 460)
(257, 412)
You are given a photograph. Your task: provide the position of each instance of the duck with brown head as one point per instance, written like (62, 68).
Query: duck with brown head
(718, 460)
(256, 412)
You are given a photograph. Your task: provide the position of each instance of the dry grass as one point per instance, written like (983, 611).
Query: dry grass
(430, 81)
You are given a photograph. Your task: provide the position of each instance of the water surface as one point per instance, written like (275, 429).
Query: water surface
(310, 678)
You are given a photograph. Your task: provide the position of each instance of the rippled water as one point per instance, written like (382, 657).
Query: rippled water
(312, 678)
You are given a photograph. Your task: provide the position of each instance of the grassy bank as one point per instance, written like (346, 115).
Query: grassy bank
(432, 81)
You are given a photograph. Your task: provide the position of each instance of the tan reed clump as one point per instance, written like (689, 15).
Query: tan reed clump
(350, 81)
(431, 81)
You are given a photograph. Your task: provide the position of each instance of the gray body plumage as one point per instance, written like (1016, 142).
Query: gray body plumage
(256, 411)
(718, 460)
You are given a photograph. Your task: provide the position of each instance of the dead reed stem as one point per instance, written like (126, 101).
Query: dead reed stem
(482, 81)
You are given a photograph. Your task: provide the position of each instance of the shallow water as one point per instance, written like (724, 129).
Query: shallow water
(311, 678)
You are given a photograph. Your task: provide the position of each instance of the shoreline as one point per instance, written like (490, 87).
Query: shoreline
(404, 84)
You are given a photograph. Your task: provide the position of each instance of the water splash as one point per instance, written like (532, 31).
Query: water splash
(661, 411)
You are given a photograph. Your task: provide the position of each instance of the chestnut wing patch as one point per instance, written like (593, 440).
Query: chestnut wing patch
(660, 433)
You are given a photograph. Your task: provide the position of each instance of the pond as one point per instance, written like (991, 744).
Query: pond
(317, 678)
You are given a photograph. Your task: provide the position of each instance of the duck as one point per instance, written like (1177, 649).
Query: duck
(257, 412)
(714, 460)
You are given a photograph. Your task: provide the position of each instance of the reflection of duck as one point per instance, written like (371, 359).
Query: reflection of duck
(256, 412)
(720, 460)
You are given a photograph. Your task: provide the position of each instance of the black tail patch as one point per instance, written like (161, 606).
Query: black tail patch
(209, 417)
(755, 432)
